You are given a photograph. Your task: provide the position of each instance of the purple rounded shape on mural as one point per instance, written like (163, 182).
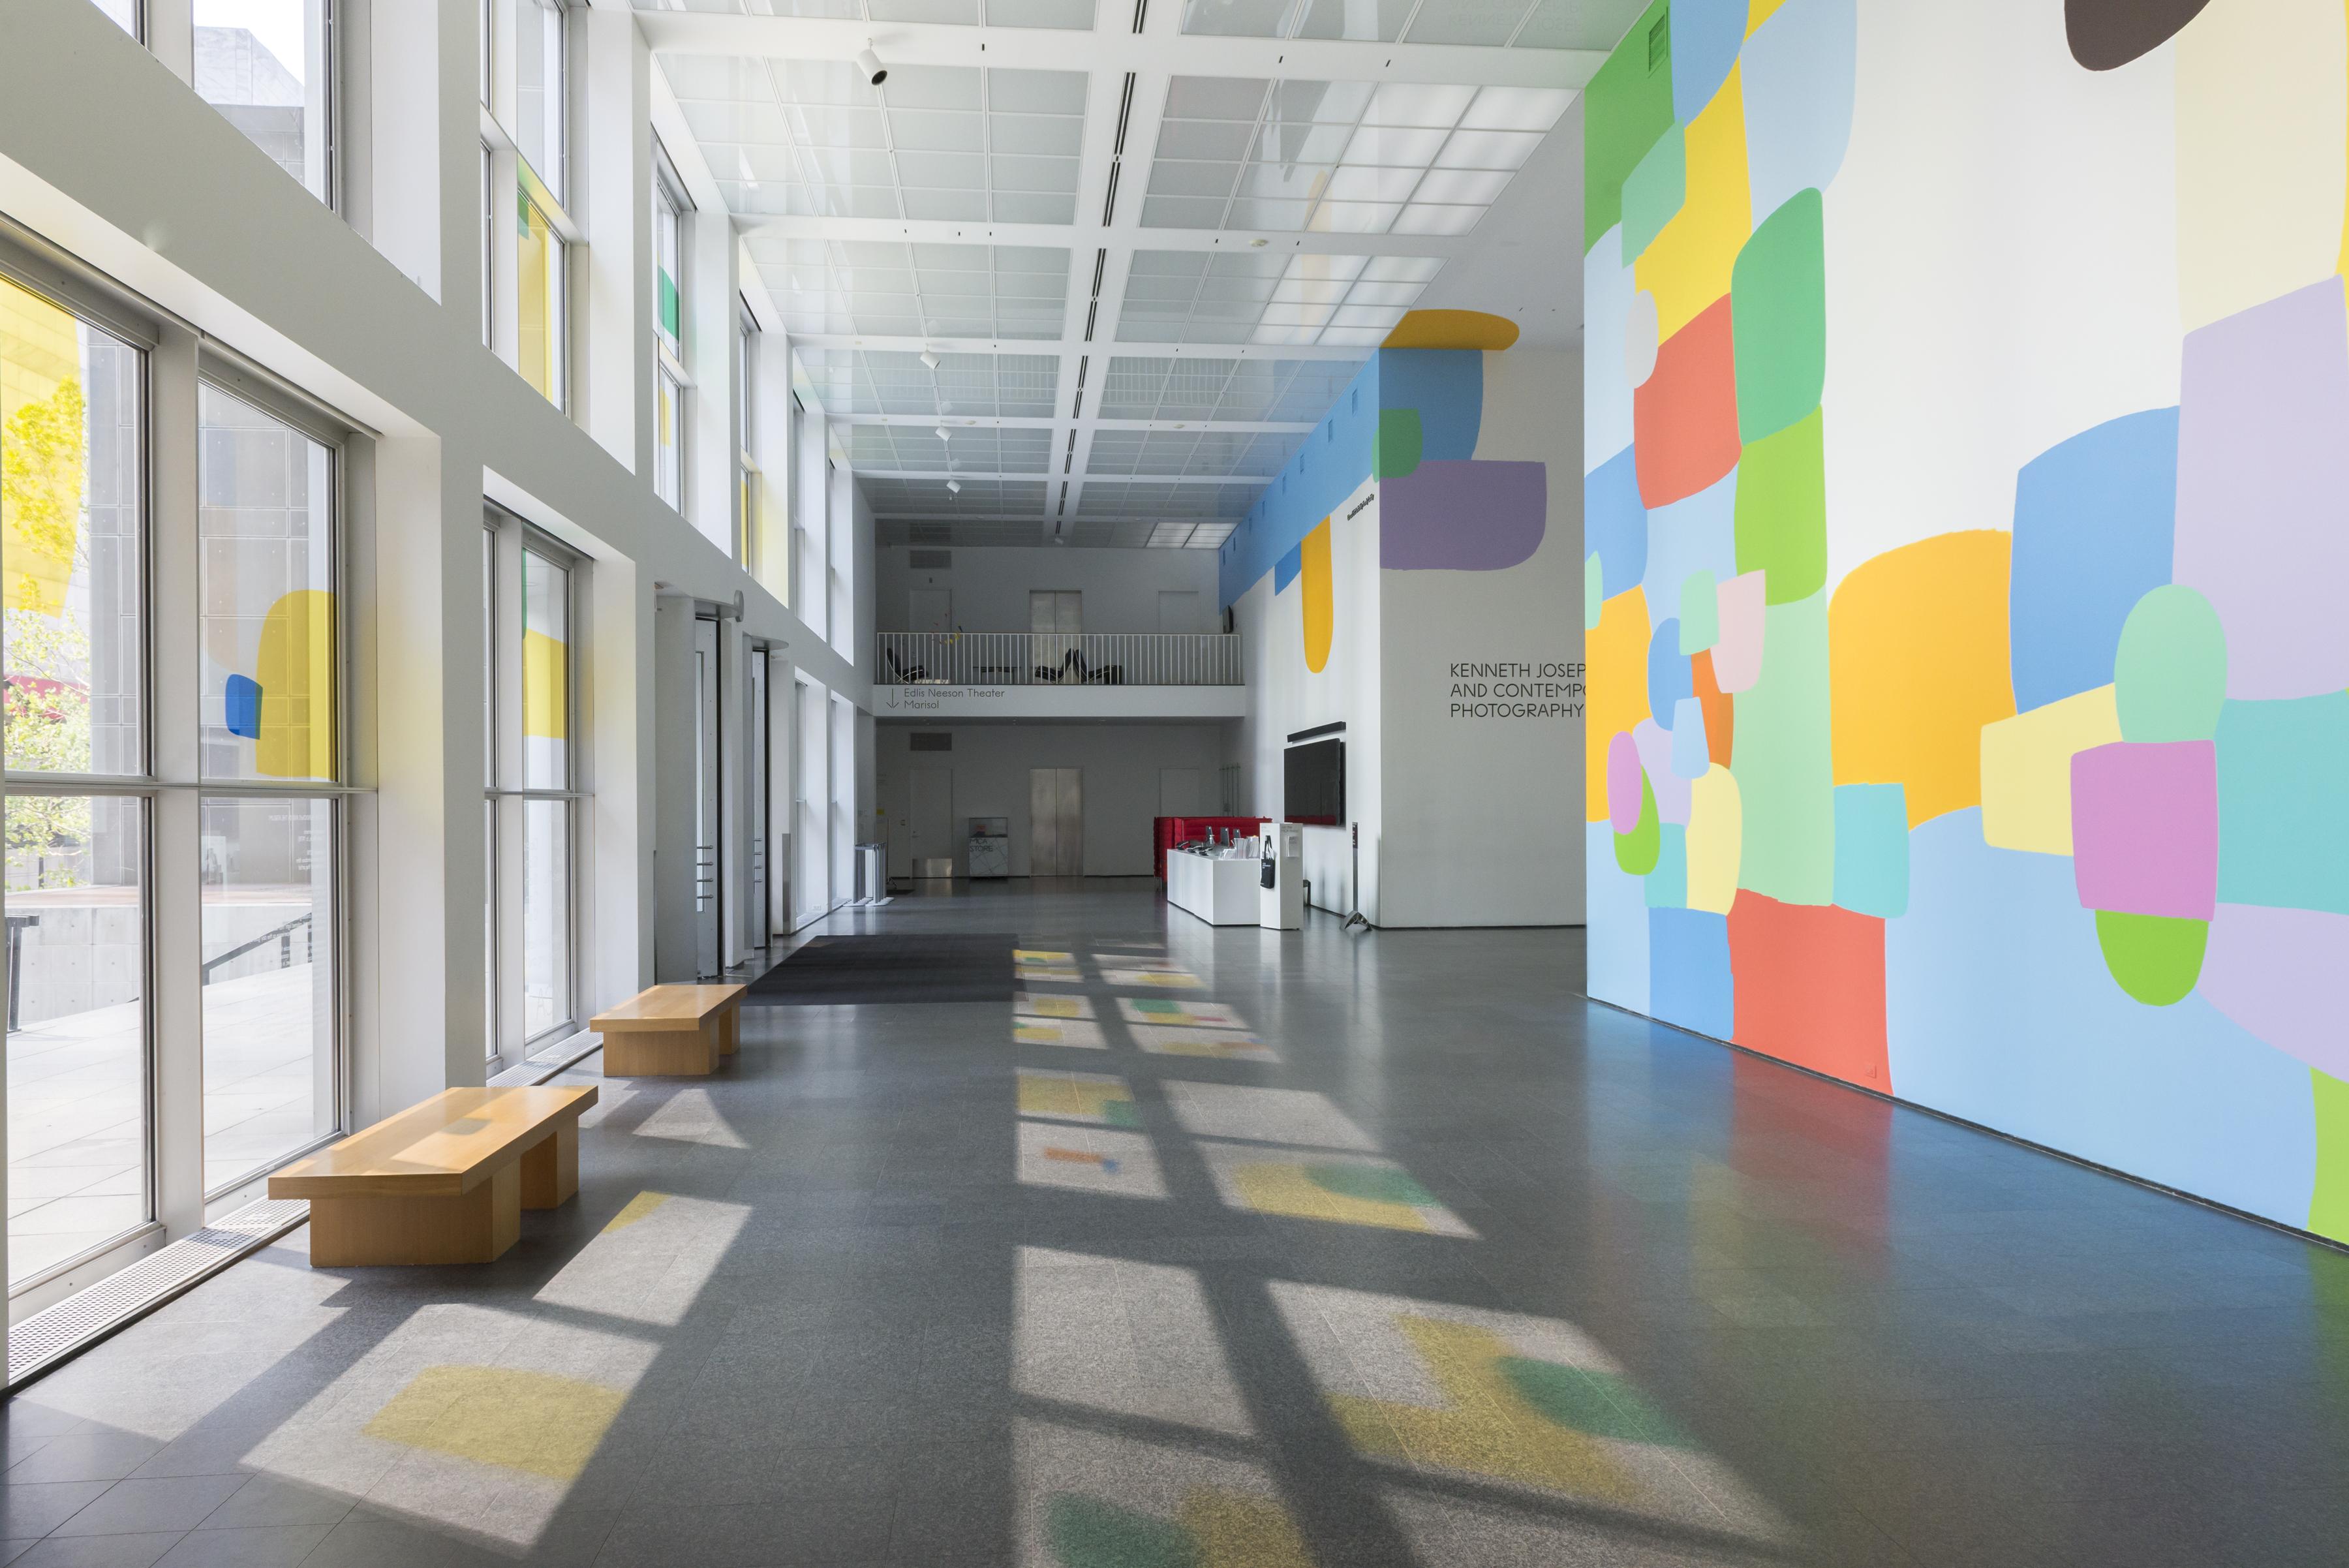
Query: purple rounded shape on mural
(1461, 514)
(1623, 781)
(2280, 974)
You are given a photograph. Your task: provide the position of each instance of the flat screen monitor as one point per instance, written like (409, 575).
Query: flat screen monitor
(1313, 782)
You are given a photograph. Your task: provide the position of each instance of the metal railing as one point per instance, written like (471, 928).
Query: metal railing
(1053, 659)
(283, 935)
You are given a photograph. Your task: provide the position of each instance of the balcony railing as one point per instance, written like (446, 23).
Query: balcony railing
(1039, 658)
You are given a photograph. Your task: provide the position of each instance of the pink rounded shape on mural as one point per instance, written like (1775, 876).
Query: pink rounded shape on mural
(1623, 782)
(1737, 646)
(2145, 827)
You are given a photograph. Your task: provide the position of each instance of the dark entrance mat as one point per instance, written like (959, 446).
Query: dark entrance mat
(832, 971)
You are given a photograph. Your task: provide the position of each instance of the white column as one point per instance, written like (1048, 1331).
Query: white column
(611, 198)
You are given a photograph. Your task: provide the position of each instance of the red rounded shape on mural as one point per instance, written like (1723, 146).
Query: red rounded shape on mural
(1623, 783)
(1810, 987)
(1684, 417)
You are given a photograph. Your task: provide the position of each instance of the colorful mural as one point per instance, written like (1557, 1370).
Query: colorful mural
(1967, 419)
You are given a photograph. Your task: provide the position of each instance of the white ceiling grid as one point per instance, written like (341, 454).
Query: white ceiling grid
(1148, 257)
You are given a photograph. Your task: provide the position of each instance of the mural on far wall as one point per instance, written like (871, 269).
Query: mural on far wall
(1967, 521)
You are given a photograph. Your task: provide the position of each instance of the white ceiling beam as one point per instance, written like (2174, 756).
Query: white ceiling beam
(1079, 241)
(1046, 422)
(939, 476)
(1114, 51)
(875, 343)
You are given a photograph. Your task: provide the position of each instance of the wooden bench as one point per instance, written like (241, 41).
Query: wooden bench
(671, 1031)
(444, 1182)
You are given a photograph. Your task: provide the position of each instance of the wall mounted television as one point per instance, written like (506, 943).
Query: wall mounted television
(1313, 782)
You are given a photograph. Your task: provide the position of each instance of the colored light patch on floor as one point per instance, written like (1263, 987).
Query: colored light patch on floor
(1090, 1499)
(1074, 1341)
(1266, 1115)
(1041, 956)
(1028, 1006)
(1342, 1189)
(1039, 974)
(650, 1261)
(1169, 1010)
(1154, 978)
(1076, 1034)
(1223, 1045)
(1098, 1097)
(522, 1420)
(1088, 1159)
(1501, 1396)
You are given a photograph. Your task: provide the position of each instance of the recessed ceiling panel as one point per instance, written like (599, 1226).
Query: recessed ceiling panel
(848, 287)
(1269, 297)
(853, 381)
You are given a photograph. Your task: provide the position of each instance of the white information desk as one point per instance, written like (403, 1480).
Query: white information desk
(1220, 892)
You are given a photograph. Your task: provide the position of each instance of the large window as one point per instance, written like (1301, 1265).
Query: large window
(79, 1031)
(670, 380)
(526, 171)
(267, 64)
(178, 734)
(269, 694)
(534, 788)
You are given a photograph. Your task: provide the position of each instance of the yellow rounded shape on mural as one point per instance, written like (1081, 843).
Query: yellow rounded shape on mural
(1320, 597)
(1917, 649)
(297, 672)
(1616, 651)
(1451, 329)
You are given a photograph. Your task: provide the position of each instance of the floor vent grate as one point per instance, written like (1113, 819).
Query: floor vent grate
(57, 1333)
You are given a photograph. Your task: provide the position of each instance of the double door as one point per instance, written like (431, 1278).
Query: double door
(1056, 821)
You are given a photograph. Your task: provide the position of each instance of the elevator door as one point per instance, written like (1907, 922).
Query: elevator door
(1056, 821)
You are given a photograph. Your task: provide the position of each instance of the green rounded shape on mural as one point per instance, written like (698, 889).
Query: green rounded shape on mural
(2156, 958)
(1594, 594)
(1638, 851)
(1583, 1401)
(2170, 673)
(1401, 441)
(1086, 1533)
(1370, 1183)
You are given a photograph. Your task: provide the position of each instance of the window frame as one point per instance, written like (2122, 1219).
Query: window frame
(671, 374)
(175, 364)
(512, 537)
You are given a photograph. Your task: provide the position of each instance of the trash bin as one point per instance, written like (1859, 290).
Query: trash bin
(872, 881)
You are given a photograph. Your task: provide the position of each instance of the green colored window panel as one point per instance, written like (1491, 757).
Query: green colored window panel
(1782, 511)
(1778, 312)
(1627, 106)
(668, 304)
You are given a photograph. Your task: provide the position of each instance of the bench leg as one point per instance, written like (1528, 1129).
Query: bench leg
(730, 1030)
(660, 1053)
(549, 1171)
(476, 1227)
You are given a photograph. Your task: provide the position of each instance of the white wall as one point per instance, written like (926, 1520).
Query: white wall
(990, 585)
(990, 764)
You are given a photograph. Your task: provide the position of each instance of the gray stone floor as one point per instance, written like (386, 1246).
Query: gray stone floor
(1364, 1249)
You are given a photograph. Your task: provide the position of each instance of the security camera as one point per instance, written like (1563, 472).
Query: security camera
(929, 358)
(869, 62)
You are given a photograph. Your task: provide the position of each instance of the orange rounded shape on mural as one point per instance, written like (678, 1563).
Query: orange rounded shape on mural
(1809, 983)
(1320, 596)
(1451, 329)
(1916, 659)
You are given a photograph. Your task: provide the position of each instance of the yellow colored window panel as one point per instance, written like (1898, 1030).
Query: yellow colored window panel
(44, 449)
(296, 671)
(538, 304)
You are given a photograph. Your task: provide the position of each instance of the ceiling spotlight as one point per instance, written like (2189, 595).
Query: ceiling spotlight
(929, 358)
(942, 433)
(869, 62)
(954, 487)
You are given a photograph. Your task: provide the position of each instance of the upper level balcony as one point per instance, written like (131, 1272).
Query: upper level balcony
(942, 675)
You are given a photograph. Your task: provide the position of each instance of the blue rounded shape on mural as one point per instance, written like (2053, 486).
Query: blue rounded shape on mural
(1705, 38)
(1799, 74)
(1669, 677)
(244, 699)
(2096, 521)
(1689, 981)
(1615, 524)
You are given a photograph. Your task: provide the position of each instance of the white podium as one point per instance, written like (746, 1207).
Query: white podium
(1221, 892)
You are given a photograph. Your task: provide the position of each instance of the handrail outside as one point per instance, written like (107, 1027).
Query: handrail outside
(1053, 658)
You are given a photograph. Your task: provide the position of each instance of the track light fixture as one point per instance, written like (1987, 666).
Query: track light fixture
(942, 433)
(929, 358)
(869, 65)
(954, 487)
